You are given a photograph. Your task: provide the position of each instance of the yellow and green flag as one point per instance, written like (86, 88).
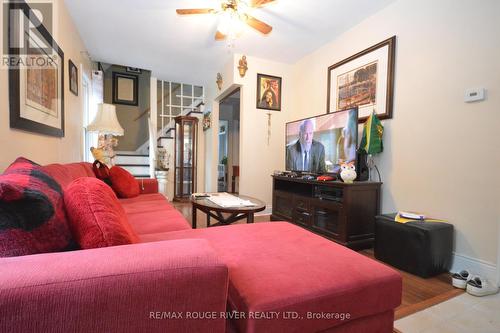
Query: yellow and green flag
(373, 130)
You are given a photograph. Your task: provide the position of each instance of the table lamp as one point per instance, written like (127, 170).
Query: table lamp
(106, 124)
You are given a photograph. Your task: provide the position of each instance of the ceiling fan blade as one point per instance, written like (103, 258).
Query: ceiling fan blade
(260, 3)
(258, 25)
(194, 11)
(219, 35)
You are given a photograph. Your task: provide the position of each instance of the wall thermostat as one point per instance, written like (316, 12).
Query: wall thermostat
(474, 95)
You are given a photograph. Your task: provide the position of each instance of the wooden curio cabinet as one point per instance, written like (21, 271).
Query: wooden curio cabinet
(186, 129)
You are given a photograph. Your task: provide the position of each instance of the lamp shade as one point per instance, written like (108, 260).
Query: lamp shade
(105, 121)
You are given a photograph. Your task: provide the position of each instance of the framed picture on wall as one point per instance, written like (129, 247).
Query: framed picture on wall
(207, 120)
(125, 89)
(73, 78)
(268, 92)
(365, 80)
(36, 82)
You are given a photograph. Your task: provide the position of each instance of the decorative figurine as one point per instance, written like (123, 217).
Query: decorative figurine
(348, 173)
(243, 67)
(219, 81)
(104, 150)
(163, 161)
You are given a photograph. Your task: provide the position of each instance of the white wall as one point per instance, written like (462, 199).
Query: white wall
(210, 140)
(442, 155)
(40, 148)
(258, 159)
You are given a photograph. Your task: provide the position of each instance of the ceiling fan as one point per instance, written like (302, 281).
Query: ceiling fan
(233, 13)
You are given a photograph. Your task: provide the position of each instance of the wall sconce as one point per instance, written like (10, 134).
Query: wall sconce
(243, 67)
(219, 81)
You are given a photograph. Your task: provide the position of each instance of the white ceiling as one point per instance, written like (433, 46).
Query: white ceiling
(150, 35)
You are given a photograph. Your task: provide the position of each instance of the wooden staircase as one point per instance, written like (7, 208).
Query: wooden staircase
(137, 162)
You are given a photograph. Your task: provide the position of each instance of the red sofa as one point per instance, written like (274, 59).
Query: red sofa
(263, 277)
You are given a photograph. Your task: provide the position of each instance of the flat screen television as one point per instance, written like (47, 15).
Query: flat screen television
(319, 144)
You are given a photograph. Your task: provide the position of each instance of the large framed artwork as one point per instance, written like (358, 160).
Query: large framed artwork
(125, 89)
(36, 78)
(365, 80)
(268, 92)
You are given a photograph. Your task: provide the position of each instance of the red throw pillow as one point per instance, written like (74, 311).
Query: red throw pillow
(32, 217)
(96, 218)
(123, 183)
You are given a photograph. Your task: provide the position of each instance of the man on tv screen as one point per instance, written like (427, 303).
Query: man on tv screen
(306, 154)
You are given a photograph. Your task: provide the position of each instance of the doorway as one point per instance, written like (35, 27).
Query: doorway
(228, 169)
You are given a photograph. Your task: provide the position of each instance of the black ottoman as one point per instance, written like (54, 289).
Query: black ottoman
(420, 248)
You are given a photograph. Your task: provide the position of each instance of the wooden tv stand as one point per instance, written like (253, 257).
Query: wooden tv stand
(344, 213)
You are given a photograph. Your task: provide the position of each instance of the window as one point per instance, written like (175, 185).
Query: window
(175, 99)
(92, 95)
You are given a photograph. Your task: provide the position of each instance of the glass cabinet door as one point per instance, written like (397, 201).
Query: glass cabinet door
(185, 152)
(327, 218)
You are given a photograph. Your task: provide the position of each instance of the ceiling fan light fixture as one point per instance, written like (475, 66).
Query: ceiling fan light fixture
(233, 16)
(244, 8)
(230, 23)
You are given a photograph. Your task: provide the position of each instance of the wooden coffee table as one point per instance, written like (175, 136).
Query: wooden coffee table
(235, 213)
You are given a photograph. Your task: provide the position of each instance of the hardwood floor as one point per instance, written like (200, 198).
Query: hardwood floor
(418, 293)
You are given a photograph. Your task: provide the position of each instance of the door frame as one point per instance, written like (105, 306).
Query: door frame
(229, 172)
(86, 105)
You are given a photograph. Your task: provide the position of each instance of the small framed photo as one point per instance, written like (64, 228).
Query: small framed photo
(125, 89)
(364, 80)
(134, 70)
(73, 78)
(268, 92)
(207, 120)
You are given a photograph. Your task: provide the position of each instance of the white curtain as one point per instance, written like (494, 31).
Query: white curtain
(96, 97)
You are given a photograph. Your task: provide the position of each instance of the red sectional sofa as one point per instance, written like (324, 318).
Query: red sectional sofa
(263, 277)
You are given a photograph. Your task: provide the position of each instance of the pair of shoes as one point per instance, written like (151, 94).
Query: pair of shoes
(478, 286)
(460, 279)
(474, 285)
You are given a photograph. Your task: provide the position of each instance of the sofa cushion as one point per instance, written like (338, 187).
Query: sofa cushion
(123, 183)
(147, 198)
(64, 174)
(147, 203)
(152, 213)
(278, 267)
(96, 217)
(32, 216)
(162, 219)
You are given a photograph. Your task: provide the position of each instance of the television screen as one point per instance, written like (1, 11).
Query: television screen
(319, 144)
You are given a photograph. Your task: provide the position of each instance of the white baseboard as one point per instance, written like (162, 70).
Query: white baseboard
(480, 267)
